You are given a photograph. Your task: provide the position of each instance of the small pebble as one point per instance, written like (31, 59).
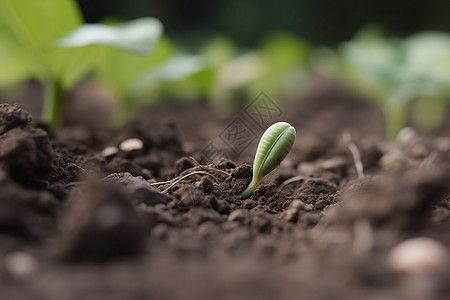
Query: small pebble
(109, 151)
(419, 151)
(419, 256)
(132, 147)
(308, 207)
(392, 160)
(442, 144)
(20, 264)
(406, 134)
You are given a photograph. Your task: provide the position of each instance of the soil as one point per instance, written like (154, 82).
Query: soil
(78, 222)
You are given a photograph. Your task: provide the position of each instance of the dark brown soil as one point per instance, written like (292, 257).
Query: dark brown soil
(77, 223)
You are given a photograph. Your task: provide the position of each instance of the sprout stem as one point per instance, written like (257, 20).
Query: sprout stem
(251, 187)
(395, 114)
(53, 105)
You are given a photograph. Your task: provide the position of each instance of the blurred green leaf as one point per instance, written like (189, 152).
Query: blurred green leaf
(120, 69)
(284, 56)
(28, 28)
(284, 50)
(427, 57)
(395, 72)
(218, 51)
(138, 36)
(16, 65)
(175, 69)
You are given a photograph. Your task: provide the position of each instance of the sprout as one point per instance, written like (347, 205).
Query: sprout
(273, 147)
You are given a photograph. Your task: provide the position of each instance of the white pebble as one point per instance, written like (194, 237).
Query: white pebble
(418, 256)
(20, 264)
(132, 146)
(109, 151)
(406, 134)
(442, 143)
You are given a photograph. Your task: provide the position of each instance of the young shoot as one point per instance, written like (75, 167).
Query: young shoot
(273, 147)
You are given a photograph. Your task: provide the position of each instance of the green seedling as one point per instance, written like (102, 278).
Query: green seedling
(273, 147)
(50, 43)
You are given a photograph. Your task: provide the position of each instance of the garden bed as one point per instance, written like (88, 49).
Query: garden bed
(77, 222)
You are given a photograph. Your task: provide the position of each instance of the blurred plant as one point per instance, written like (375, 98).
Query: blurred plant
(50, 43)
(276, 67)
(395, 72)
(29, 47)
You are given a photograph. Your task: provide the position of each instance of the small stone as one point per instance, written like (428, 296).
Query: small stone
(109, 151)
(419, 151)
(392, 160)
(132, 147)
(406, 134)
(442, 144)
(418, 256)
(308, 207)
(20, 265)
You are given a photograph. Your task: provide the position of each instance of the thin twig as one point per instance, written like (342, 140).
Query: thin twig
(291, 180)
(162, 182)
(203, 167)
(199, 166)
(178, 179)
(355, 153)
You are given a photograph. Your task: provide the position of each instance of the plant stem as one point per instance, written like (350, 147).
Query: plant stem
(395, 115)
(55, 97)
(251, 187)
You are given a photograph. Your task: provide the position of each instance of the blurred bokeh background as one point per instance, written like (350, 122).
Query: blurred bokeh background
(323, 22)
(225, 53)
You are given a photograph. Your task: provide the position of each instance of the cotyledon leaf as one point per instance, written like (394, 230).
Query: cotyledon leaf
(273, 147)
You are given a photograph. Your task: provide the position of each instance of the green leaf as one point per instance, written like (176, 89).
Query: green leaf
(273, 147)
(16, 66)
(29, 28)
(120, 69)
(176, 68)
(285, 56)
(138, 36)
(219, 51)
(427, 56)
(284, 50)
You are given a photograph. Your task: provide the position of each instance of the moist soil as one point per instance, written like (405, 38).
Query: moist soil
(166, 220)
